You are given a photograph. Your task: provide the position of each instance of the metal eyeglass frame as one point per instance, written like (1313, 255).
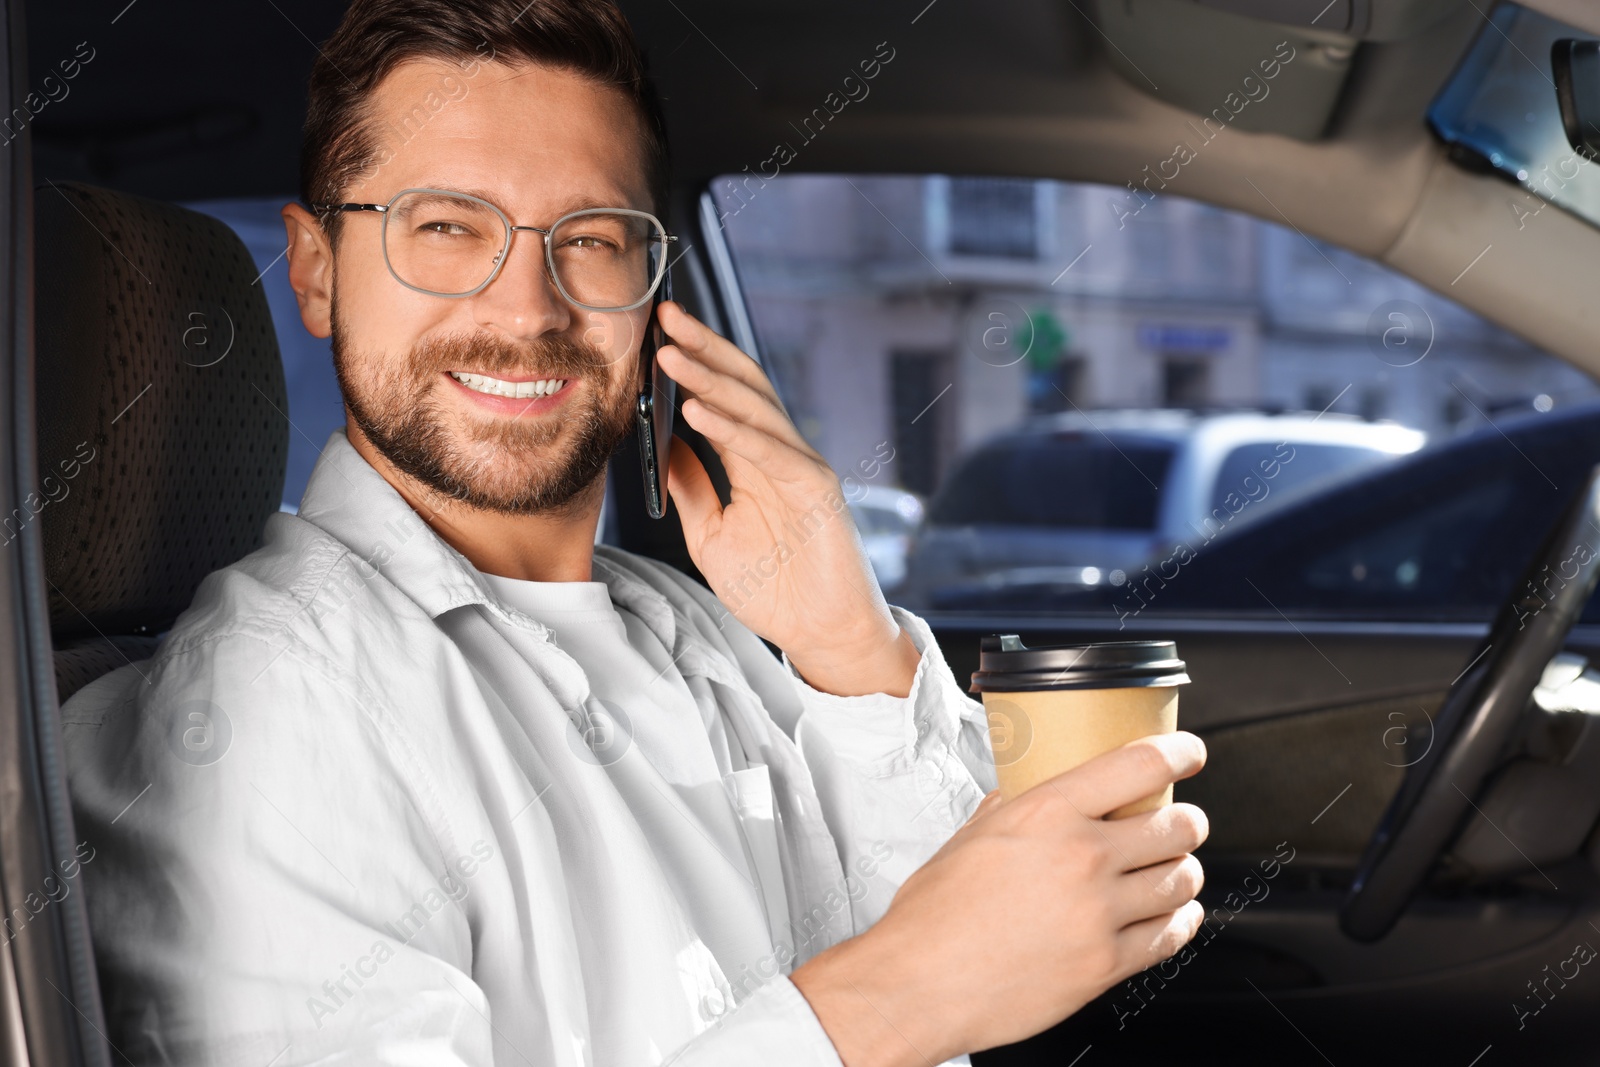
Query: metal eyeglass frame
(510, 230)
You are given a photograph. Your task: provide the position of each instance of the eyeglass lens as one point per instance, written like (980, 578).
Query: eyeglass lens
(450, 245)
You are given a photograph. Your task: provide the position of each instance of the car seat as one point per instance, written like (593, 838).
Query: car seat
(163, 423)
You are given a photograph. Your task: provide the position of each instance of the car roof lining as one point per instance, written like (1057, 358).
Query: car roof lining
(1379, 184)
(1019, 87)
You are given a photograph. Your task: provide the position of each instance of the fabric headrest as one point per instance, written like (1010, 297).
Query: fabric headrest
(162, 415)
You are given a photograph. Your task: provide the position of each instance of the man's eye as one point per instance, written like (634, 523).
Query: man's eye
(590, 241)
(446, 229)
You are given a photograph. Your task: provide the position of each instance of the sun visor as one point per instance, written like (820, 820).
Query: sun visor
(1365, 20)
(1263, 66)
(1230, 71)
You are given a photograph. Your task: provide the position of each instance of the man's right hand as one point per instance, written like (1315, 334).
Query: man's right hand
(1032, 909)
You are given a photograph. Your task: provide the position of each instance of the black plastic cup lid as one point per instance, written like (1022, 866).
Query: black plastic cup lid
(1007, 665)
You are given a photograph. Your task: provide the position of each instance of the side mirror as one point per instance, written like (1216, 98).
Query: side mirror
(1576, 65)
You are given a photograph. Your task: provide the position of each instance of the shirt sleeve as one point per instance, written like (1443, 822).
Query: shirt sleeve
(895, 776)
(774, 1026)
(240, 915)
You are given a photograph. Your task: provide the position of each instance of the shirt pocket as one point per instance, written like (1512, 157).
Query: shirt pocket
(751, 791)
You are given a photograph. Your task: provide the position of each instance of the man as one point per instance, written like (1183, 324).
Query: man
(491, 793)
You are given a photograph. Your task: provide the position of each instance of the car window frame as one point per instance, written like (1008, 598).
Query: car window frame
(50, 1008)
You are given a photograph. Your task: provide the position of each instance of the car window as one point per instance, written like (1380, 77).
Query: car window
(880, 522)
(1417, 559)
(1058, 399)
(1066, 482)
(1310, 467)
(1444, 535)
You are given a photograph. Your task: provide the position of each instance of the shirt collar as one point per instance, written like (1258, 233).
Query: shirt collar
(347, 498)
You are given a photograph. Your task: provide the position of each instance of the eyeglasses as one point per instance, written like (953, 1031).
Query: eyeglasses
(453, 245)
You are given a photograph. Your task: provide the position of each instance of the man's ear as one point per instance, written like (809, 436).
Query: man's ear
(310, 269)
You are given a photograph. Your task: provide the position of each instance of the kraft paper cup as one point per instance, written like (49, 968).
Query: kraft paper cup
(1052, 708)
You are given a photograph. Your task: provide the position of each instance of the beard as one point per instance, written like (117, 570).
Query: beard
(511, 466)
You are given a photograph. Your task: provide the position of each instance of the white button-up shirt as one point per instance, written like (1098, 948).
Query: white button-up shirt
(359, 808)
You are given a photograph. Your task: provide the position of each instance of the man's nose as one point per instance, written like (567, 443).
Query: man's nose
(522, 300)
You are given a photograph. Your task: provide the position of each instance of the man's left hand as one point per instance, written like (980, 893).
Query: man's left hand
(783, 555)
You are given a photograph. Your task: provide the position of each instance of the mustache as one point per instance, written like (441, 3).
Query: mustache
(548, 356)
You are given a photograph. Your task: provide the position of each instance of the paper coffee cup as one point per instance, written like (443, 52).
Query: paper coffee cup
(1054, 707)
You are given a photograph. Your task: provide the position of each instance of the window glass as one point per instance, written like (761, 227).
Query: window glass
(1310, 466)
(1416, 559)
(1086, 408)
(1066, 480)
(880, 521)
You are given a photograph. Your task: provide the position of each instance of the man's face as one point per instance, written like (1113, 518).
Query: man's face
(537, 143)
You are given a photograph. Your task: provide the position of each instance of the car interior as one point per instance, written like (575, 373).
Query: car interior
(1403, 792)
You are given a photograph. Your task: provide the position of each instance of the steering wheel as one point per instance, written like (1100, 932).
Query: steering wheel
(1480, 715)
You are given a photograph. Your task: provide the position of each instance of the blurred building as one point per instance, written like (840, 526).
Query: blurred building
(933, 312)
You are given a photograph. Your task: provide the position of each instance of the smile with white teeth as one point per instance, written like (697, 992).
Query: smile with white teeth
(482, 383)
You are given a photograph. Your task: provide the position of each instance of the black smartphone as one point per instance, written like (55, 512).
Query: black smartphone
(654, 409)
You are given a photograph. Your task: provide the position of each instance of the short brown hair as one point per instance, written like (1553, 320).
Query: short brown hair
(587, 37)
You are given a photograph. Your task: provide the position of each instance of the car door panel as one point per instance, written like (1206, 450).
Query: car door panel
(1292, 713)
(1445, 987)
(1247, 669)
(1309, 727)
